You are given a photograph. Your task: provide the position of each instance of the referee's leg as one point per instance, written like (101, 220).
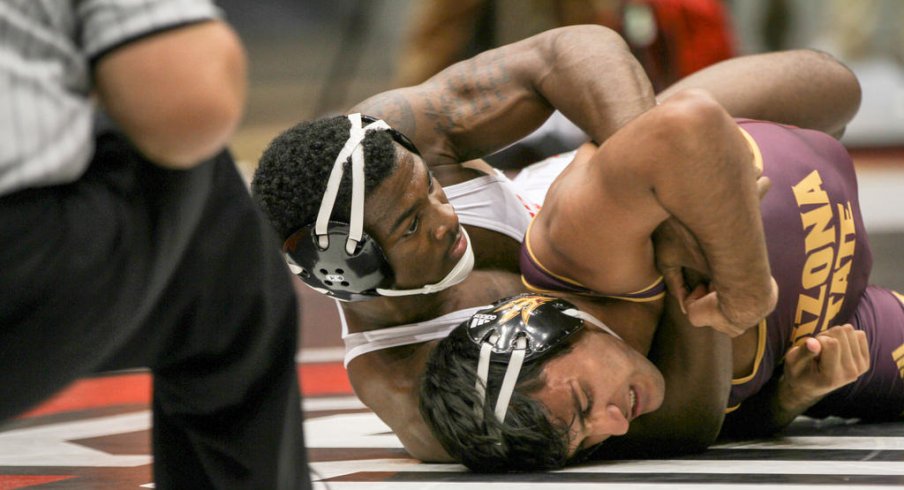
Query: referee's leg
(227, 388)
(129, 267)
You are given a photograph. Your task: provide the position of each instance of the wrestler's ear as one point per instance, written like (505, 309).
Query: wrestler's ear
(614, 421)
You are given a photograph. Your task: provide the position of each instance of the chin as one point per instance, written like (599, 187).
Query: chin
(654, 382)
(659, 387)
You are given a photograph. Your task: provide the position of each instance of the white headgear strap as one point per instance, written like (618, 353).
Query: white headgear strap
(354, 149)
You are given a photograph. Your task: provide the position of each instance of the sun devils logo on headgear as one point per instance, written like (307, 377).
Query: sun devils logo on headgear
(536, 318)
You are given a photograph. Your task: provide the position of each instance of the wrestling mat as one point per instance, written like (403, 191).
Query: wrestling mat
(95, 436)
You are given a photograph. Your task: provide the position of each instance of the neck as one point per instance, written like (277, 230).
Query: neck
(385, 312)
(480, 288)
(635, 323)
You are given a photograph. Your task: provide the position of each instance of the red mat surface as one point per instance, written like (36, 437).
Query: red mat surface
(318, 379)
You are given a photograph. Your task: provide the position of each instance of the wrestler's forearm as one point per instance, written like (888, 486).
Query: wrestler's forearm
(594, 80)
(382, 381)
(482, 104)
(709, 185)
(805, 88)
(767, 412)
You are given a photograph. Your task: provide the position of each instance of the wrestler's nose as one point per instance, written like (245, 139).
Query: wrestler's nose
(446, 222)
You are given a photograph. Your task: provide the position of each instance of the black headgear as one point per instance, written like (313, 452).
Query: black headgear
(355, 269)
(518, 329)
(332, 270)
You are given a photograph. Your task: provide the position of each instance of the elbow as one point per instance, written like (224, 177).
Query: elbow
(429, 454)
(692, 110)
(178, 96)
(421, 444)
(588, 39)
(692, 122)
(197, 122)
(586, 34)
(703, 416)
(693, 444)
(702, 434)
(709, 419)
(694, 138)
(705, 437)
(842, 86)
(680, 441)
(189, 134)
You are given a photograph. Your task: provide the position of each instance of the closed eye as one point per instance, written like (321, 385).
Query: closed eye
(580, 414)
(413, 227)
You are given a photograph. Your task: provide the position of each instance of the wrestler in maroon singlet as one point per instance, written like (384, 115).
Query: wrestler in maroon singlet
(820, 256)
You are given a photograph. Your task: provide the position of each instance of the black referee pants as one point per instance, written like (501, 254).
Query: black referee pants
(134, 265)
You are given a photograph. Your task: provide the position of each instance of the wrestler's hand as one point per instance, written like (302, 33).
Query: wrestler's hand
(684, 270)
(703, 310)
(822, 364)
(679, 256)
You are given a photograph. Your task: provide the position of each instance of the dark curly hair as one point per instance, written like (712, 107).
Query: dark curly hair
(527, 441)
(291, 177)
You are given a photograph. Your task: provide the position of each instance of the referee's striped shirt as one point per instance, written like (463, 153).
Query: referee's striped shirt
(47, 51)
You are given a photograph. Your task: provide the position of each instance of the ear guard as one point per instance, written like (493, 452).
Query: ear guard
(521, 329)
(332, 270)
(340, 260)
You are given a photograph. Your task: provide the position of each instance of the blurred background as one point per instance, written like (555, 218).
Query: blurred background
(314, 57)
(311, 58)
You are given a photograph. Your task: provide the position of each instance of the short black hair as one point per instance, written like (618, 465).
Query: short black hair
(293, 171)
(449, 403)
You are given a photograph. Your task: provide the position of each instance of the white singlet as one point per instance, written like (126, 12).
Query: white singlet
(492, 202)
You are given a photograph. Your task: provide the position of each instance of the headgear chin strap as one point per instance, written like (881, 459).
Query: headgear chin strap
(358, 270)
(459, 273)
(521, 329)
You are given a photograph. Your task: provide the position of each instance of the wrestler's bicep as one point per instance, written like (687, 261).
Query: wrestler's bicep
(598, 219)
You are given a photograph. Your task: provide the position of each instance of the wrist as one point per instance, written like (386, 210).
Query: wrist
(751, 307)
(794, 399)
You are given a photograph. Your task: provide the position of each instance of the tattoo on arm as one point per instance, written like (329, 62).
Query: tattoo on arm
(470, 88)
(455, 107)
(392, 107)
(464, 97)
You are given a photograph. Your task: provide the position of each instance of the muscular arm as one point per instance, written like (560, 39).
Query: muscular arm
(177, 95)
(387, 382)
(804, 88)
(482, 104)
(763, 414)
(812, 370)
(685, 158)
